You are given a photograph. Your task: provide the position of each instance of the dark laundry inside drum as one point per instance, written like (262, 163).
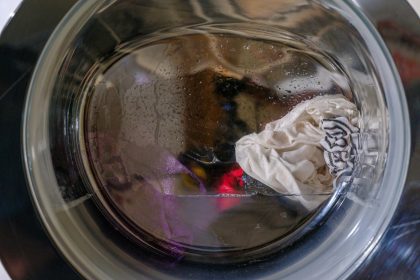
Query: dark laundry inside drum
(160, 128)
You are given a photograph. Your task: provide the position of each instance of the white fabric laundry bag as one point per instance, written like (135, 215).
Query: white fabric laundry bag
(288, 157)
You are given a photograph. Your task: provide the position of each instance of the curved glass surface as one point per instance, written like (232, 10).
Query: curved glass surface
(125, 88)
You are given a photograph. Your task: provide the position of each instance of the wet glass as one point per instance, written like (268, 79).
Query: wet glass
(162, 119)
(139, 111)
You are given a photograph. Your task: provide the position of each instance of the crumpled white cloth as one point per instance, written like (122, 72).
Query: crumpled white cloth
(287, 155)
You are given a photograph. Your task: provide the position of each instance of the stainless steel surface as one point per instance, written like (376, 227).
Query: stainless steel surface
(395, 257)
(25, 250)
(6, 13)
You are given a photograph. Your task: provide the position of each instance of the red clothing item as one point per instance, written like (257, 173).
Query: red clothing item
(230, 183)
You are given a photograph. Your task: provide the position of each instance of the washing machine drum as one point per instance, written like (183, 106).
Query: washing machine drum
(191, 139)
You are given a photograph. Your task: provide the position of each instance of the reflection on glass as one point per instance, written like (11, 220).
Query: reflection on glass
(161, 124)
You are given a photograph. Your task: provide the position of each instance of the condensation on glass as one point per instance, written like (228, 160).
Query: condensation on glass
(160, 126)
(139, 111)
